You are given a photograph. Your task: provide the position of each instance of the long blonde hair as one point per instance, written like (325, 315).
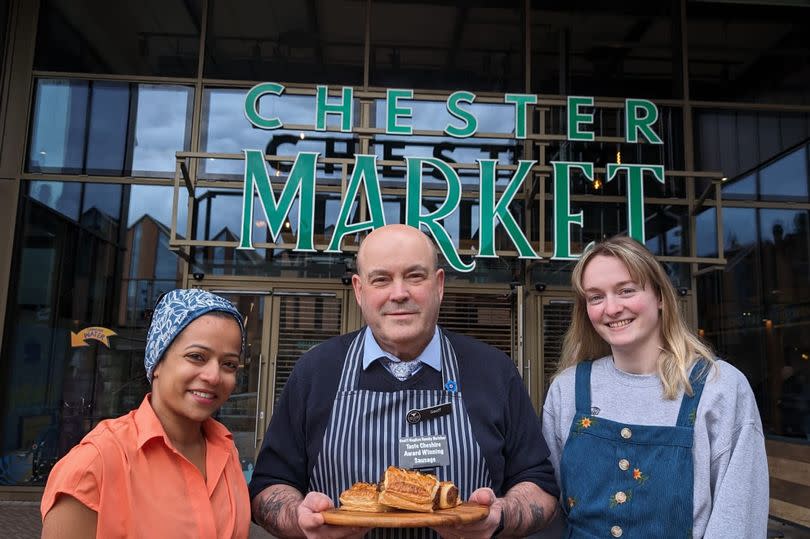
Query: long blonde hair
(681, 348)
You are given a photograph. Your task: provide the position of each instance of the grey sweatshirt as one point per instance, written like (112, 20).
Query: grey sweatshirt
(730, 465)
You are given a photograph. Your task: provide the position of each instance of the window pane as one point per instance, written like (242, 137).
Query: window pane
(740, 188)
(756, 308)
(451, 45)
(154, 37)
(726, 64)
(101, 211)
(59, 126)
(162, 128)
(107, 140)
(667, 229)
(154, 202)
(736, 142)
(64, 197)
(785, 178)
(54, 393)
(225, 130)
(705, 232)
(604, 49)
(739, 228)
(109, 128)
(321, 41)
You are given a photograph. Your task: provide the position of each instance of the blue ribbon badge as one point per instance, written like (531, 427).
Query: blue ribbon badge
(451, 386)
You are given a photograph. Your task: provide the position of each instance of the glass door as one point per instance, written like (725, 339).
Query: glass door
(243, 414)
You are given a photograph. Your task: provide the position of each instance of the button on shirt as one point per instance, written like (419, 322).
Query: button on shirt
(127, 471)
(431, 356)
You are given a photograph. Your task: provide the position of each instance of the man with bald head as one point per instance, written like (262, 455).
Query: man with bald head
(363, 401)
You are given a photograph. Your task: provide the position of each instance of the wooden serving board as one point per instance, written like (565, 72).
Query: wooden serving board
(462, 514)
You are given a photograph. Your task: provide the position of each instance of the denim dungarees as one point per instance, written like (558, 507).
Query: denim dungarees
(624, 480)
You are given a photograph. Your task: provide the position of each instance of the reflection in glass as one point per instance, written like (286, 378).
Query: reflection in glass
(226, 130)
(786, 178)
(756, 307)
(735, 142)
(150, 268)
(706, 232)
(64, 197)
(599, 221)
(667, 229)
(54, 392)
(82, 127)
(101, 209)
(58, 126)
(162, 128)
(433, 116)
(744, 188)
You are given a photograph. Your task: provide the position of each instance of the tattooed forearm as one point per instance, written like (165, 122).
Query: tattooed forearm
(527, 509)
(538, 519)
(275, 510)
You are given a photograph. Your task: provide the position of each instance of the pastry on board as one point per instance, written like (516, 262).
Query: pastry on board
(409, 490)
(447, 497)
(362, 497)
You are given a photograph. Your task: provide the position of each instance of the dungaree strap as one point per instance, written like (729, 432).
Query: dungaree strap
(583, 387)
(689, 404)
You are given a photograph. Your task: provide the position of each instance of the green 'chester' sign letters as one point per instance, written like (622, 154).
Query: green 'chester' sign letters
(640, 116)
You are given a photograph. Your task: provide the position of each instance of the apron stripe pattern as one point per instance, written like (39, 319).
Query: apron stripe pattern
(362, 437)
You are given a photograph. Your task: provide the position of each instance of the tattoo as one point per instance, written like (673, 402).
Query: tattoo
(270, 508)
(272, 511)
(538, 517)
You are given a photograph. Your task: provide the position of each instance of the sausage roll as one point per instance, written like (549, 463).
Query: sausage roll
(409, 490)
(361, 497)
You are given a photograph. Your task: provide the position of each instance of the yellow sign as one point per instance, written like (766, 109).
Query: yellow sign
(96, 333)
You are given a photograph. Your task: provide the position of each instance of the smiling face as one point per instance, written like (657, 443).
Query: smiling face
(399, 289)
(198, 371)
(622, 312)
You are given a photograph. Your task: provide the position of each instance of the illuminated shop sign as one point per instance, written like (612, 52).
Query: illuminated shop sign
(640, 117)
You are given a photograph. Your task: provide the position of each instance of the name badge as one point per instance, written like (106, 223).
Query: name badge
(424, 452)
(416, 416)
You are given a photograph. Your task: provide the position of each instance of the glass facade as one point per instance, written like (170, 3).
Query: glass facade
(111, 104)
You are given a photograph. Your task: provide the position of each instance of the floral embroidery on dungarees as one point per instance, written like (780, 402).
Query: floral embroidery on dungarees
(639, 476)
(692, 416)
(571, 502)
(584, 423)
(621, 497)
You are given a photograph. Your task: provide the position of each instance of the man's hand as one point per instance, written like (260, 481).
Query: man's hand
(526, 509)
(285, 513)
(310, 519)
(482, 529)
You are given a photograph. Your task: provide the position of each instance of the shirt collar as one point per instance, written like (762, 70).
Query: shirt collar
(431, 355)
(149, 426)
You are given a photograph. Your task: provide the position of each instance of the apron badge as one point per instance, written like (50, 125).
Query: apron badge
(451, 386)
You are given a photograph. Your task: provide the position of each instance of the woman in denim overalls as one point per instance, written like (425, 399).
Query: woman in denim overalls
(651, 436)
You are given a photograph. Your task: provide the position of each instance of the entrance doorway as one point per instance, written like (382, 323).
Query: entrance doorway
(282, 323)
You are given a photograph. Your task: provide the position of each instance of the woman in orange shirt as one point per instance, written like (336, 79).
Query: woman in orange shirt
(166, 469)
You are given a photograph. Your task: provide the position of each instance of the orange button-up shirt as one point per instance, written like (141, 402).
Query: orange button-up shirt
(128, 472)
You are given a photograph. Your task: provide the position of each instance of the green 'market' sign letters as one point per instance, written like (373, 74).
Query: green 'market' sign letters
(640, 116)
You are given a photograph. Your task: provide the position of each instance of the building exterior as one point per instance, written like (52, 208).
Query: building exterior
(127, 131)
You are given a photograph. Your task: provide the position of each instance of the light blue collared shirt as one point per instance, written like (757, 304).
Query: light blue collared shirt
(431, 355)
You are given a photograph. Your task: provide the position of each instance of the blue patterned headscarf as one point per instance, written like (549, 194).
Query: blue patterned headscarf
(176, 310)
